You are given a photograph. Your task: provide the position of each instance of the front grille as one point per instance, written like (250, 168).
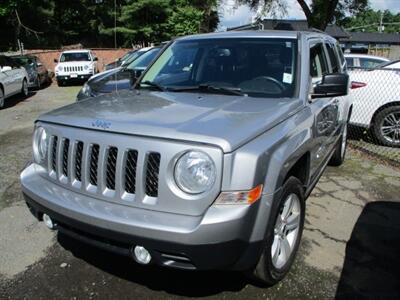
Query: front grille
(78, 161)
(73, 69)
(94, 161)
(54, 154)
(130, 171)
(97, 165)
(65, 157)
(111, 168)
(152, 171)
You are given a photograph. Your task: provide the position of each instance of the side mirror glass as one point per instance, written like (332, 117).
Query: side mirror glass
(332, 85)
(95, 59)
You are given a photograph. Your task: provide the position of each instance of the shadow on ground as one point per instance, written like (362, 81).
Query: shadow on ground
(176, 282)
(372, 263)
(14, 100)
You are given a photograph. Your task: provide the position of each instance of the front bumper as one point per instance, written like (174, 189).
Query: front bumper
(77, 77)
(217, 240)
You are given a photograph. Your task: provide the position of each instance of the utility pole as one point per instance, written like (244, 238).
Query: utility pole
(381, 28)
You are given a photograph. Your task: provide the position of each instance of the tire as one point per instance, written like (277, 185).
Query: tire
(2, 98)
(24, 89)
(60, 83)
(339, 155)
(38, 84)
(386, 126)
(269, 270)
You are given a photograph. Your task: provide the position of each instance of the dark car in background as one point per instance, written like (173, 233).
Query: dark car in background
(121, 78)
(118, 62)
(38, 75)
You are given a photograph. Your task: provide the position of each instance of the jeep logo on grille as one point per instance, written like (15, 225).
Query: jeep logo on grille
(101, 124)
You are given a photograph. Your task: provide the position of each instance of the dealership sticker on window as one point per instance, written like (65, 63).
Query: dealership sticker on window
(287, 78)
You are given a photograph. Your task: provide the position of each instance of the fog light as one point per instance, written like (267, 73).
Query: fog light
(48, 221)
(141, 255)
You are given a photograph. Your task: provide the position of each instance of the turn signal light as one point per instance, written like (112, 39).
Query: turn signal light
(240, 197)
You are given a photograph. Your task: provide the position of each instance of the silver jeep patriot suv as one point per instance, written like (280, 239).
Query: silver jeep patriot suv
(207, 161)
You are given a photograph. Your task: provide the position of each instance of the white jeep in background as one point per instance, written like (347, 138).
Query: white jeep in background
(75, 65)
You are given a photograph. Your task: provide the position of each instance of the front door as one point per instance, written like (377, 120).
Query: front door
(325, 110)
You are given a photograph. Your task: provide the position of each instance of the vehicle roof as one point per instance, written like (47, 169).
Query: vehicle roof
(255, 34)
(366, 56)
(76, 51)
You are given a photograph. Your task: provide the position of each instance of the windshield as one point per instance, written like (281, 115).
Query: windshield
(388, 64)
(126, 55)
(132, 57)
(75, 56)
(256, 67)
(143, 61)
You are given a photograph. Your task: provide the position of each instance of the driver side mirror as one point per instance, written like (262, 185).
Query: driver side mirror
(56, 60)
(95, 59)
(332, 85)
(6, 68)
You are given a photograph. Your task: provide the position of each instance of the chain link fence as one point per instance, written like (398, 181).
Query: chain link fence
(375, 121)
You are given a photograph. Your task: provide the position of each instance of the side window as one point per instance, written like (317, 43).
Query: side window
(333, 58)
(318, 62)
(369, 62)
(349, 61)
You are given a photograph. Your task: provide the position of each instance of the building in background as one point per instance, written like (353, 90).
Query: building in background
(381, 44)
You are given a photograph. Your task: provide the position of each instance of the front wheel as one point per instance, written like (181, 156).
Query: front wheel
(339, 155)
(24, 89)
(283, 234)
(2, 98)
(386, 126)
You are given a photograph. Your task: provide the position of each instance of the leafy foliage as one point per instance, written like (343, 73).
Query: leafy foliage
(53, 23)
(369, 21)
(319, 13)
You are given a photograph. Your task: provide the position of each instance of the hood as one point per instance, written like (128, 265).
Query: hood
(221, 120)
(112, 80)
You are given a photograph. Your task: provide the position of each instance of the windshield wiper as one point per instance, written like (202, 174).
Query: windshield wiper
(209, 87)
(153, 84)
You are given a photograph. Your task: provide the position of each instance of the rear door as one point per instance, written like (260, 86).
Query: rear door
(16, 74)
(325, 110)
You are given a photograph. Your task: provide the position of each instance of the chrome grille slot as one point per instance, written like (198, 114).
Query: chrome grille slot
(111, 167)
(54, 154)
(152, 172)
(65, 157)
(78, 161)
(94, 162)
(130, 171)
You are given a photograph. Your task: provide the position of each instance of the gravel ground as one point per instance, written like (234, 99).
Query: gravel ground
(349, 250)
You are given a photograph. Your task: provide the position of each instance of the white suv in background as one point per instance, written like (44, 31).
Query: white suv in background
(13, 79)
(75, 65)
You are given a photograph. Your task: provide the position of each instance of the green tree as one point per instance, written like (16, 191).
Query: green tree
(319, 13)
(369, 20)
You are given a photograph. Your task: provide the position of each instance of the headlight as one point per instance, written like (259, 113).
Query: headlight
(195, 172)
(86, 67)
(60, 68)
(40, 144)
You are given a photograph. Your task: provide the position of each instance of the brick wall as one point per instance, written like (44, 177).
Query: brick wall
(105, 56)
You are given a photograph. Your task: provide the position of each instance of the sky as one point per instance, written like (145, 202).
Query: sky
(242, 15)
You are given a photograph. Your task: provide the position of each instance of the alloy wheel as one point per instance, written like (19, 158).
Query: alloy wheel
(390, 127)
(286, 231)
(344, 142)
(1, 98)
